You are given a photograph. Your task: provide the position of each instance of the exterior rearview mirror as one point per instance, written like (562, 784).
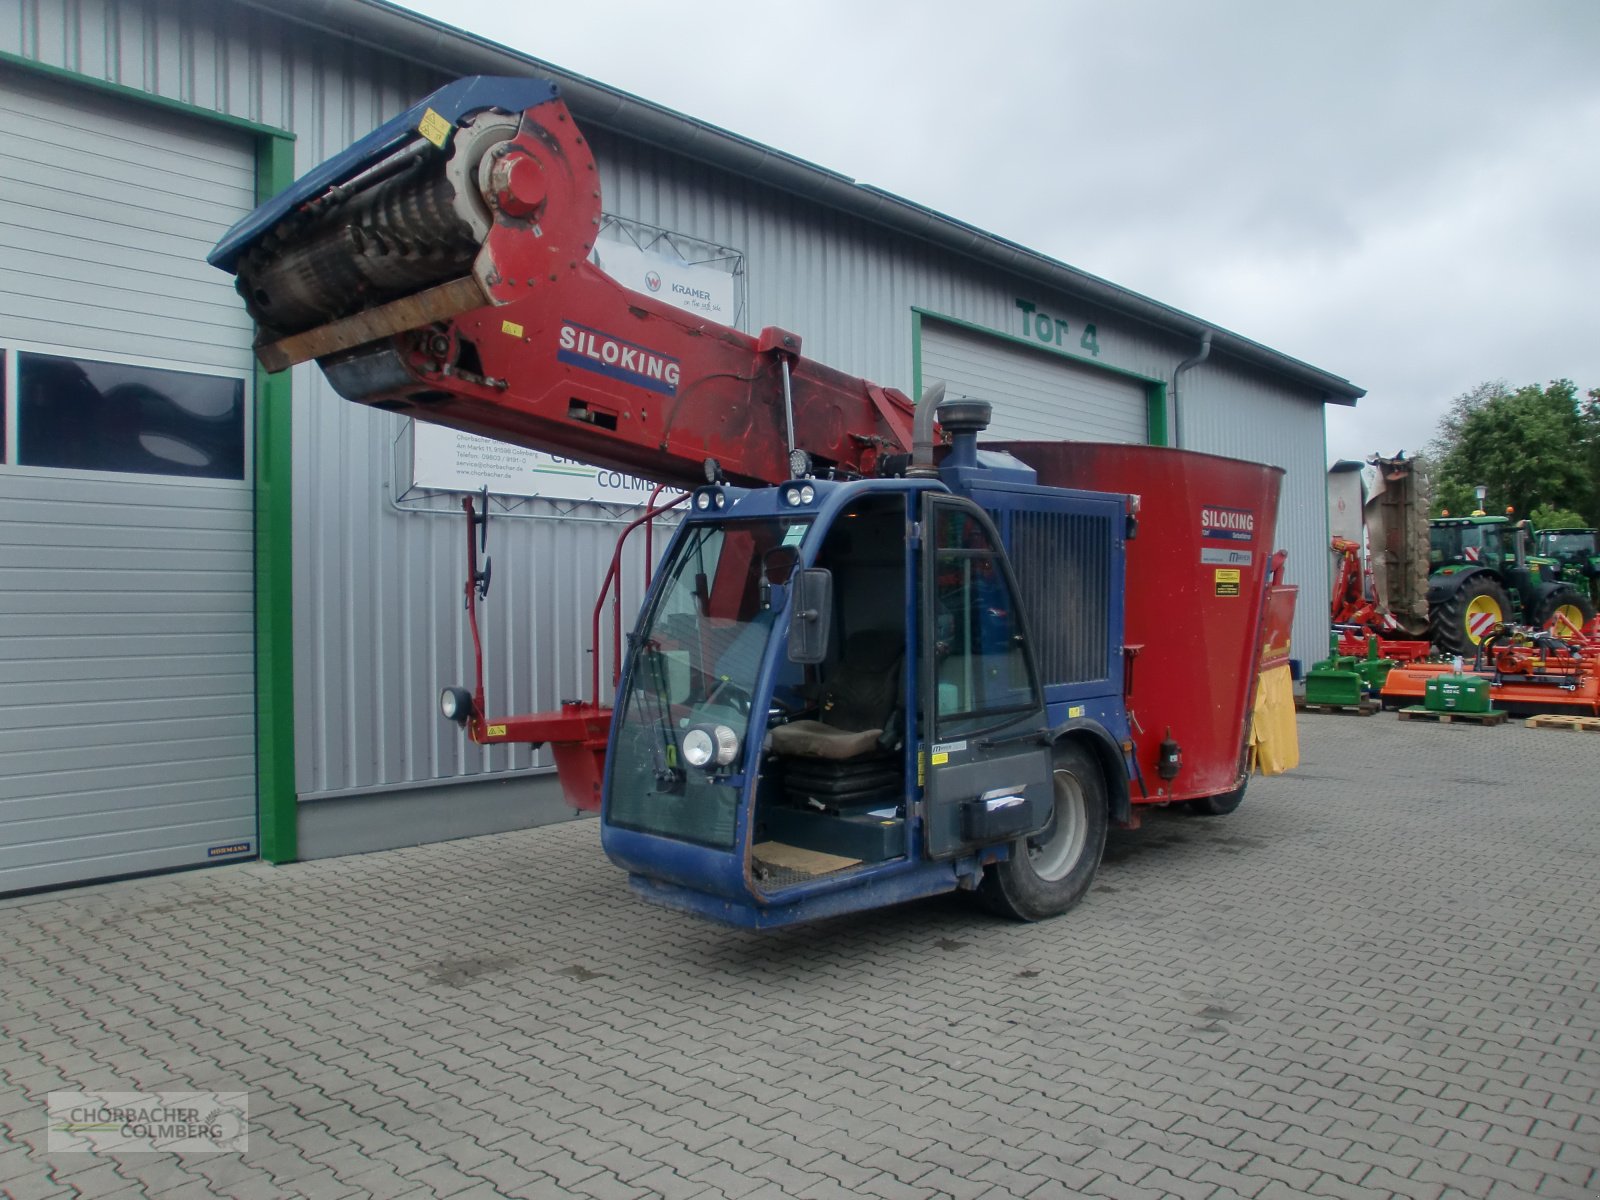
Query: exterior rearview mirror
(810, 614)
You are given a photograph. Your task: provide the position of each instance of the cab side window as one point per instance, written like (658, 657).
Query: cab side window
(982, 668)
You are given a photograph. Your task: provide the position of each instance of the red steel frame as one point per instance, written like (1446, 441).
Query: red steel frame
(577, 733)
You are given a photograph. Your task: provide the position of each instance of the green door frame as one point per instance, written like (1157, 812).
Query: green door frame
(276, 806)
(1155, 390)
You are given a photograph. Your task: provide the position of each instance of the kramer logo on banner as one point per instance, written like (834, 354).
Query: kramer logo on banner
(148, 1122)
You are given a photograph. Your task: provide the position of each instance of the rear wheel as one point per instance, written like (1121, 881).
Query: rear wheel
(1049, 872)
(1219, 806)
(1565, 614)
(1468, 616)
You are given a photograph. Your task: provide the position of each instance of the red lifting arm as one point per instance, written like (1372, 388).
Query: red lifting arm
(456, 287)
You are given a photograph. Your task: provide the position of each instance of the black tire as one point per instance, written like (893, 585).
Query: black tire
(1219, 806)
(1545, 618)
(1448, 621)
(1050, 872)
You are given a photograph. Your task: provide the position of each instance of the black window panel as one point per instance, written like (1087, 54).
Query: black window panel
(1063, 567)
(100, 416)
(4, 407)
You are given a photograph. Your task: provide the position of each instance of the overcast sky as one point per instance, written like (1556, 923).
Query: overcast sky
(1402, 192)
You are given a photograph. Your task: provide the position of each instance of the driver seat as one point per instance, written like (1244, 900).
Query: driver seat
(859, 701)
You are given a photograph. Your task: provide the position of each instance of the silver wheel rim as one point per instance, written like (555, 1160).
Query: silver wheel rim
(1055, 858)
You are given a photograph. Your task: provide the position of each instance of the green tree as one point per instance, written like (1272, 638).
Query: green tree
(1557, 518)
(1533, 447)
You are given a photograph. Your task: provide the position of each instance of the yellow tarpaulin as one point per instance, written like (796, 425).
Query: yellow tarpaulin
(1274, 740)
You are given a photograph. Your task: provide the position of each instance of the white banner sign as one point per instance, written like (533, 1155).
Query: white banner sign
(708, 291)
(463, 462)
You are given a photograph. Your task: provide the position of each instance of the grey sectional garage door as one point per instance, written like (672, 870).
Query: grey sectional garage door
(126, 632)
(1035, 393)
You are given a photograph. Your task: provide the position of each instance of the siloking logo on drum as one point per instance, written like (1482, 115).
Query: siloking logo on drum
(1228, 524)
(606, 354)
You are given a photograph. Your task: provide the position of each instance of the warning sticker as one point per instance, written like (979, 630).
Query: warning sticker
(435, 128)
(1227, 581)
(510, 328)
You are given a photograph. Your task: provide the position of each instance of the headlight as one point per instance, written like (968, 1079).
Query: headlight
(698, 748)
(455, 703)
(702, 500)
(707, 744)
(807, 494)
(727, 745)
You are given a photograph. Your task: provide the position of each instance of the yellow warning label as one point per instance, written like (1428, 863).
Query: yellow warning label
(922, 769)
(435, 128)
(496, 731)
(511, 327)
(940, 758)
(1075, 711)
(1227, 581)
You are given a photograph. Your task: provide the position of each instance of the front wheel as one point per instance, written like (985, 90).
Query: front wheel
(1050, 872)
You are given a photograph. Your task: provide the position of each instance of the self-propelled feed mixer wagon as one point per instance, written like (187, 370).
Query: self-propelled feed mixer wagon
(877, 660)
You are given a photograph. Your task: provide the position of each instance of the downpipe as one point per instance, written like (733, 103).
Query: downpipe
(1177, 411)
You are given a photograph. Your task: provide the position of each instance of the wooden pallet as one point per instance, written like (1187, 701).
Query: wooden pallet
(1365, 709)
(1418, 712)
(1556, 721)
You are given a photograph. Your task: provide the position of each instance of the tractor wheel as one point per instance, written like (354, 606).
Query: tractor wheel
(1049, 872)
(1573, 606)
(1218, 806)
(1465, 619)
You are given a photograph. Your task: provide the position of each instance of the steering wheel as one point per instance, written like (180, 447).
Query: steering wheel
(737, 698)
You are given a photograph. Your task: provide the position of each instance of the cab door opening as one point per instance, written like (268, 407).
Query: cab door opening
(832, 790)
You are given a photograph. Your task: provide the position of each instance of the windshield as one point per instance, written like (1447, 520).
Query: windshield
(693, 667)
(1465, 543)
(1568, 546)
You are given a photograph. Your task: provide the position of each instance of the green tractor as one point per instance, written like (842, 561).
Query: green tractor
(1483, 576)
(1576, 552)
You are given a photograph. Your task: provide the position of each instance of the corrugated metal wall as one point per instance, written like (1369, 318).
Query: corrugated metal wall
(378, 624)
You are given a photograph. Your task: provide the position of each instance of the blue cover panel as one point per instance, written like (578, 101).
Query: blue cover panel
(452, 102)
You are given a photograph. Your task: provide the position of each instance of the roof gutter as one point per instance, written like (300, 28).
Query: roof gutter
(445, 50)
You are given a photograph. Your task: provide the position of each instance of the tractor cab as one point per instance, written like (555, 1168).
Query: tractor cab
(1469, 541)
(1577, 554)
(801, 649)
(1569, 547)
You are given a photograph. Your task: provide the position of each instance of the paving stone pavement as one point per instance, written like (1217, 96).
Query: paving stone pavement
(1377, 978)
